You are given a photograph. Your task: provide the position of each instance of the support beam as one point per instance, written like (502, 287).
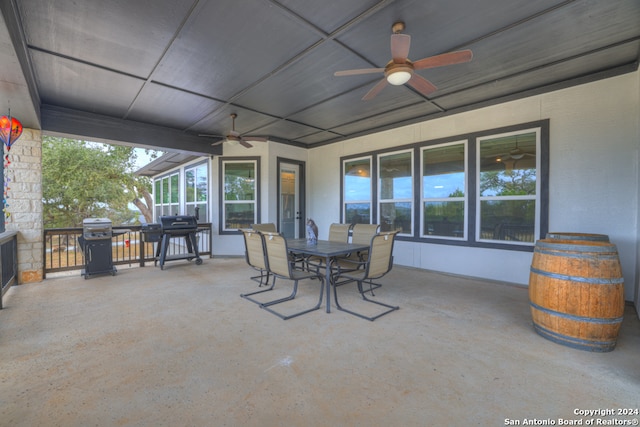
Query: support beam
(99, 128)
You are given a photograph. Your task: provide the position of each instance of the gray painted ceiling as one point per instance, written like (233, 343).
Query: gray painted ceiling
(115, 69)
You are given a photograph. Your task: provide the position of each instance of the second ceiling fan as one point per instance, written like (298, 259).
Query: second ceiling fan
(401, 70)
(234, 136)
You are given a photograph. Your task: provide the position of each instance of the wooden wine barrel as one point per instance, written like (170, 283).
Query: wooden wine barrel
(576, 293)
(578, 236)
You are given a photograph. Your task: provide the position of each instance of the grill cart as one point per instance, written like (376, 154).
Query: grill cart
(178, 226)
(95, 243)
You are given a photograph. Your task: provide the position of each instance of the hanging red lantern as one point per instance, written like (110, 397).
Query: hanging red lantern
(10, 130)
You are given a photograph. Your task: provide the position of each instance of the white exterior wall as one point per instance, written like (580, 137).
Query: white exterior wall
(593, 178)
(233, 245)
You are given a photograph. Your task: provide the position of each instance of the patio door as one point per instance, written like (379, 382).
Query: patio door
(290, 198)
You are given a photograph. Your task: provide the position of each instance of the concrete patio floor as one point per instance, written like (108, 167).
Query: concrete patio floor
(179, 347)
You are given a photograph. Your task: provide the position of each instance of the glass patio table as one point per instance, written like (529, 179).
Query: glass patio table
(327, 250)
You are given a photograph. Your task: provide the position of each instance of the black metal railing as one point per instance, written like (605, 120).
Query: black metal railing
(62, 252)
(8, 261)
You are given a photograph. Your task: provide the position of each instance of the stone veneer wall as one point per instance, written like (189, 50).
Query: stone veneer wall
(25, 204)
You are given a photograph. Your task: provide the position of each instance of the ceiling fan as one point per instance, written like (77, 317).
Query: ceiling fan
(234, 136)
(516, 153)
(401, 70)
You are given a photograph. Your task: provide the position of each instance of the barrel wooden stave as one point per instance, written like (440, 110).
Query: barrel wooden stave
(576, 293)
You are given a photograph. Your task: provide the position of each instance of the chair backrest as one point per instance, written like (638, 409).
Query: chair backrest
(380, 255)
(254, 244)
(362, 233)
(277, 254)
(267, 227)
(339, 232)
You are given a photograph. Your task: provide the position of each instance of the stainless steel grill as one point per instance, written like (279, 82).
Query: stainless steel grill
(96, 245)
(96, 228)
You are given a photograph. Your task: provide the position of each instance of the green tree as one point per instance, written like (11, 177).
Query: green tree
(84, 179)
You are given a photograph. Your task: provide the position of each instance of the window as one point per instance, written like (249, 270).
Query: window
(395, 187)
(240, 189)
(444, 194)
(357, 191)
(508, 187)
(196, 191)
(484, 189)
(167, 200)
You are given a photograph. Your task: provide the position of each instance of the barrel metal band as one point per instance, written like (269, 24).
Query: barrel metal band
(591, 280)
(576, 255)
(595, 247)
(603, 321)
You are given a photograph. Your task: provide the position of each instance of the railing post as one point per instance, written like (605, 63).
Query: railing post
(142, 248)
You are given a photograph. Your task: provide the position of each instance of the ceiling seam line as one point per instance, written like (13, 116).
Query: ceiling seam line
(299, 56)
(542, 67)
(149, 78)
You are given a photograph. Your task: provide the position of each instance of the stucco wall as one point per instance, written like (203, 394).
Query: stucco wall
(594, 149)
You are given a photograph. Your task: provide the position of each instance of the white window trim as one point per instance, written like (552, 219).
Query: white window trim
(423, 199)
(229, 202)
(346, 202)
(409, 200)
(536, 197)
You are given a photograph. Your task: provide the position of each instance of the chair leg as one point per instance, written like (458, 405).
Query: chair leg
(263, 275)
(270, 288)
(279, 300)
(267, 307)
(362, 292)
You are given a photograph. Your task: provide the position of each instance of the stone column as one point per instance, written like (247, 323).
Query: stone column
(25, 204)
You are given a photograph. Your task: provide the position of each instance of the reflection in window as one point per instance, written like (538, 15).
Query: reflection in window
(395, 186)
(240, 191)
(508, 187)
(444, 190)
(197, 179)
(357, 191)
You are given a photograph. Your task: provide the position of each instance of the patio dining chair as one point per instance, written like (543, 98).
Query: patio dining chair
(361, 234)
(379, 262)
(281, 265)
(255, 257)
(267, 227)
(337, 233)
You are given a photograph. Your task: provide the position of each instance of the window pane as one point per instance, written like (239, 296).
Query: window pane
(443, 172)
(395, 176)
(239, 181)
(174, 189)
(165, 190)
(508, 220)
(158, 191)
(239, 215)
(357, 180)
(201, 183)
(395, 216)
(444, 219)
(508, 165)
(190, 177)
(358, 213)
(202, 213)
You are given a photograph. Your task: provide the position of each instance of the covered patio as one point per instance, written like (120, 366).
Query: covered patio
(180, 347)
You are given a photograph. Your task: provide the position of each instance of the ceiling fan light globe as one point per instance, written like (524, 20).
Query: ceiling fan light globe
(399, 77)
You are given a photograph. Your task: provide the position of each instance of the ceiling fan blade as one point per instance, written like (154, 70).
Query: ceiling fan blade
(421, 84)
(445, 59)
(210, 135)
(359, 71)
(217, 143)
(400, 44)
(255, 138)
(375, 90)
(244, 143)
